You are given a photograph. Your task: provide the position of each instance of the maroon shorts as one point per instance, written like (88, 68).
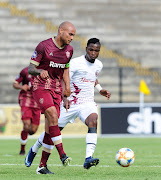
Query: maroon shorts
(31, 113)
(46, 98)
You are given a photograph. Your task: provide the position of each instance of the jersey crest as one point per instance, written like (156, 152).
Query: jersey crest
(67, 54)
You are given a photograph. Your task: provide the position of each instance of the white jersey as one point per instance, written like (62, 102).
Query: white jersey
(83, 75)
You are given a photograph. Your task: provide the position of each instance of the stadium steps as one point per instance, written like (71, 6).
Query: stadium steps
(118, 26)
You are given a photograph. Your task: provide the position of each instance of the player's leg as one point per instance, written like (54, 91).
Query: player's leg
(26, 120)
(65, 117)
(36, 113)
(49, 102)
(34, 126)
(34, 150)
(38, 143)
(91, 141)
(63, 120)
(55, 134)
(89, 116)
(24, 136)
(47, 149)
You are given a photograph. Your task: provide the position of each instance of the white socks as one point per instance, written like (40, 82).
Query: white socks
(91, 141)
(38, 143)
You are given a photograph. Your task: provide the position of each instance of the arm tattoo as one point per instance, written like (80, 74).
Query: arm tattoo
(33, 70)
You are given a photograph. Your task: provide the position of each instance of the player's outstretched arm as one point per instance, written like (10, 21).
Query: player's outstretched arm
(24, 87)
(102, 91)
(66, 80)
(66, 102)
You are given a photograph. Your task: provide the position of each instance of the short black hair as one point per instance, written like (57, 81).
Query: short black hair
(93, 41)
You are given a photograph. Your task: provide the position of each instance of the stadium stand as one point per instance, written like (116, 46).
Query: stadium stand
(128, 29)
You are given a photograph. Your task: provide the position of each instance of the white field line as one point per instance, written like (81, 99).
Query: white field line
(83, 136)
(75, 165)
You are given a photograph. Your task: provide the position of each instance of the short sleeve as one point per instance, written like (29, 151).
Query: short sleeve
(72, 68)
(19, 77)
(100, 66)
(38, 54)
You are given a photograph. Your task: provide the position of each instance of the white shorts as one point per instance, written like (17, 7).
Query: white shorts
(81, 110)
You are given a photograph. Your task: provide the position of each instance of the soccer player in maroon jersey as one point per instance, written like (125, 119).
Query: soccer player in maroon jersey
(29, 108)
(50, 66)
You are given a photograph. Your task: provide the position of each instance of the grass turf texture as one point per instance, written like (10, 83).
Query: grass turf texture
(147, 165)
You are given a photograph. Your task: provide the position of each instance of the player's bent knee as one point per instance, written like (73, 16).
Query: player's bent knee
(92, 123)
(31, 132)
(95, 123)
(26, 125)
(27, 128)
(33, 129)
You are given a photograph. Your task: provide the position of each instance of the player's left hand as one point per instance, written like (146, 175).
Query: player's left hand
(105, 93)
(66, 103)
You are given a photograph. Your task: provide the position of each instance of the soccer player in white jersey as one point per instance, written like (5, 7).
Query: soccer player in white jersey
(83, 72)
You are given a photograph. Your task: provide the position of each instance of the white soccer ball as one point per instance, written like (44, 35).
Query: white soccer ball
(125, 157)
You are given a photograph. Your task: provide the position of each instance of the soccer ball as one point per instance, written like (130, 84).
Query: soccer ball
(125, 157)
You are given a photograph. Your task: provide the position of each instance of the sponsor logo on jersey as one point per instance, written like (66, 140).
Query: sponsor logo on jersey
(51, 54)
(86, 80)
(34, 55)
(68, 54)
(57, 65)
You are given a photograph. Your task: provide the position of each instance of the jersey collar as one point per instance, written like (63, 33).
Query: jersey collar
(57, 44)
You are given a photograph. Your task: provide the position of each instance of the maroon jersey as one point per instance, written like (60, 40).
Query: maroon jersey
(49, 56)
(25, 97)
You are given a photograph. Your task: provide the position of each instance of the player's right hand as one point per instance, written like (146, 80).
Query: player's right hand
(44, 74)
(66, 103)
(25, 87)
(105, 93)
(67, 92)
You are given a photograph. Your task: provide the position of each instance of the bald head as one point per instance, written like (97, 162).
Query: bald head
(66, 25)
(66, 33)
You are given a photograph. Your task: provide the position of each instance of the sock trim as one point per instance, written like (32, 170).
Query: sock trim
(47, 150)
(91, 143)
(57, 142)
(23, 142)
(48, 146)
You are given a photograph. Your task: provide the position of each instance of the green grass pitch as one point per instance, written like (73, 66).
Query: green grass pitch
(147, 165)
